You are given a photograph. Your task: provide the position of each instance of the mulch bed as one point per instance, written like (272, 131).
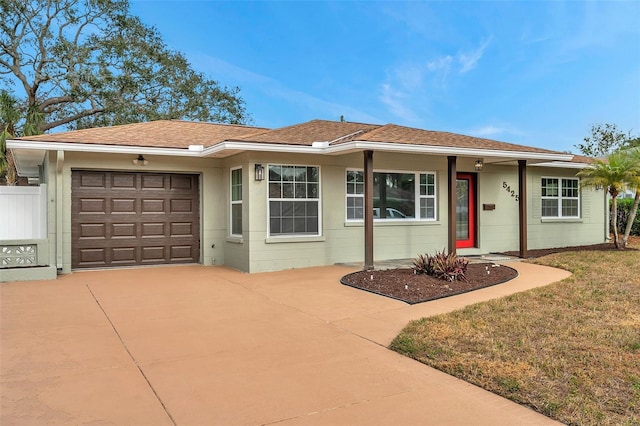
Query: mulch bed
(404, 285)
(594, 247)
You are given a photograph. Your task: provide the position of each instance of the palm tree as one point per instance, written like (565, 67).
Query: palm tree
(9, 116)
(613, 174)
(634, 183)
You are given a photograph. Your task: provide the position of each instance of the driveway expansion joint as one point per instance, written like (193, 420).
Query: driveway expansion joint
(124, 345)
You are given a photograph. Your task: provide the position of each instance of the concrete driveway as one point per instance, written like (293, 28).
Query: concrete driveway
(196, 345)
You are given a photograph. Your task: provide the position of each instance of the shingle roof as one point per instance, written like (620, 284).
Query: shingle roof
(181, 134)
(341, 132)
(582, 159)
(157, 134)
(311, 131)
(393, 133)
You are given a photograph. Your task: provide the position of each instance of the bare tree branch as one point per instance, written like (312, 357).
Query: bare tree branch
(87, 113)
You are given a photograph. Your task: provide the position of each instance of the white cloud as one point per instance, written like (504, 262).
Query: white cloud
(396, 101)
(491, 131)
(410, 76)
(442, 68)
(488, 131)
(442, 63)
(468, 61)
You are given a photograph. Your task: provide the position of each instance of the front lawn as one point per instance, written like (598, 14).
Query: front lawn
(570, 350)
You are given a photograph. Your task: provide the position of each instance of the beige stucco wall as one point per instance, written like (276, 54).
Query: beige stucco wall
(590, 228)
(340, 241)
(343, 241)
(237, 248)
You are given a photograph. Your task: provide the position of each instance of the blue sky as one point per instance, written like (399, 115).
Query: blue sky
(534, 73)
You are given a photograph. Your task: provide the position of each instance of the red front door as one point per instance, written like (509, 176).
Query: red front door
(465, 210)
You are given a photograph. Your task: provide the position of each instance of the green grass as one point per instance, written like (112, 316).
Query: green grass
(570, 350)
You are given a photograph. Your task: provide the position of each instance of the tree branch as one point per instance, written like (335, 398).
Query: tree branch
(82, 114)
(53, 101)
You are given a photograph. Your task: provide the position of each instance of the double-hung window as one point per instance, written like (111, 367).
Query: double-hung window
(560, 197)
(396, 195)
(294, 200)
(236, 202)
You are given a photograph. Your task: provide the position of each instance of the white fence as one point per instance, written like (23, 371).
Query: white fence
(23, 212)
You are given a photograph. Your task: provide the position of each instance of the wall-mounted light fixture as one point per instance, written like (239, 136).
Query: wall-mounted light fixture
(259, 172)
(479, 165)
(140, 161)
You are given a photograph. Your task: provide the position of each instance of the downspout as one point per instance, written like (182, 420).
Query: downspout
(59, 203)
(607, 218)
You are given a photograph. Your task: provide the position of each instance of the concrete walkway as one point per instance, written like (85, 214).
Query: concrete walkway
(196, 345)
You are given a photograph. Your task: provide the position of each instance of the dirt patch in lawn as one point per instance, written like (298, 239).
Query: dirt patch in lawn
(593, 247)
(404, 285)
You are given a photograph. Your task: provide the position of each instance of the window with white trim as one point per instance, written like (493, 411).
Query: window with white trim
(560, 197)
(396, 195)
(236, 202)
(294, 200)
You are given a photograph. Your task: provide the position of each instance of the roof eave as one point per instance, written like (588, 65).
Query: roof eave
(99, 148)
(234, 146)
(564, 165)
(445, 150)
(219, 149)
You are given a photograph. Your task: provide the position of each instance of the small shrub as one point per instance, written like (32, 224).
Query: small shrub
(624, 210)
(423, 264)
(448, 267)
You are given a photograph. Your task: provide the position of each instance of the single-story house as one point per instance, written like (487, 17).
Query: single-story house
(316, 193)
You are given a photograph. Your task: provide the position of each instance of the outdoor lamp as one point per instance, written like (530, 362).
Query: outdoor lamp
(140, 161)
(479, 165)
(259, 172)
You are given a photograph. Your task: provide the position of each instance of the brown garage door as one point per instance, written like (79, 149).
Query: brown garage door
(129, 219)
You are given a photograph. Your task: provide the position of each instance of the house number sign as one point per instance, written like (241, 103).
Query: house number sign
(510, 191)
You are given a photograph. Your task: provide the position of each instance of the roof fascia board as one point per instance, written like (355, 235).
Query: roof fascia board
(382, 146)
(563, 164)
(105, 149)
(262, 146)
(301, 149)
(446, 150)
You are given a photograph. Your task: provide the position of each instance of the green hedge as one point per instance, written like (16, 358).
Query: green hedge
(624, 208)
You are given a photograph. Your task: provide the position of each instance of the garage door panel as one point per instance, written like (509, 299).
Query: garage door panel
(96, 180)
(181, 229)
(181, 253)
(153, 230)
(123, 230)
(123, 255)
(92, 258)
(181, 206)
(92, 206)
(150, 181)
(178, 182)
(153, 206)
(156, 221)
(123, 205)
(93, 230)
(154, 254)
(124, 181)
